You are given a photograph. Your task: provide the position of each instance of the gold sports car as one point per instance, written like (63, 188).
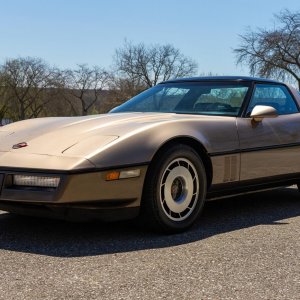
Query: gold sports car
(160, 155)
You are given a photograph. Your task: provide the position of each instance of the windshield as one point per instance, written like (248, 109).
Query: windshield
(205, 98)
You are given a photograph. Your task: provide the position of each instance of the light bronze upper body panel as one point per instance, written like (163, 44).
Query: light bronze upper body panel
(239, 148)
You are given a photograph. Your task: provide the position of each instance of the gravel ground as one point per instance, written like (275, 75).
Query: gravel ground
(242, 248)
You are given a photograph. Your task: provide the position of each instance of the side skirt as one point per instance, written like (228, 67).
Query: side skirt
(226, 190)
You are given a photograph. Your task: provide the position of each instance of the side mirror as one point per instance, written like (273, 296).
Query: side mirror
(263, 111)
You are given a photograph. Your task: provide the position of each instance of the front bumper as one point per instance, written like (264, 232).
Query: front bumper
(79, 195)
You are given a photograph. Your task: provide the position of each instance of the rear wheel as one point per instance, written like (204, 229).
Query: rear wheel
(175, 189)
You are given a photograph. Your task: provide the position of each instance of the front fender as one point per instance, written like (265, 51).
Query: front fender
(139, 146)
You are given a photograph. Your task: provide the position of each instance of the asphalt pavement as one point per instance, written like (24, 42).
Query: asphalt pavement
(245, 247)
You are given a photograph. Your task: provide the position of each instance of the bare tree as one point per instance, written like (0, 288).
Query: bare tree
(7, 107)
(86, 84)
(3, 98)
(147, 65)
(26, 79)
(3, 107)
(276, 52)
(122, 89)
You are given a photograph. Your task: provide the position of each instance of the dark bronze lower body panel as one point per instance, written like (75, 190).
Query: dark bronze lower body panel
(71, 212)
(246, 186)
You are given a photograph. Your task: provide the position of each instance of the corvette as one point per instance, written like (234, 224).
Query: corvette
(160, 155)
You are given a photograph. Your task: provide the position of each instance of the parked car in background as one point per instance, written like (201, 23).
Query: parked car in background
(160, 155)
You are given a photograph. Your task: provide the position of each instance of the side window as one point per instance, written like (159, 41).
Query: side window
(276, 96)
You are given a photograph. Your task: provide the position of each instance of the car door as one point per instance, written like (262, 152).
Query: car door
(270, 147)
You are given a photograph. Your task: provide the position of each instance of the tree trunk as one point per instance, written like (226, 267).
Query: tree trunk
(22, 111)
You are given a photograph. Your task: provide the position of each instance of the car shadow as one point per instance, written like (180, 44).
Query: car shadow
(64, 239)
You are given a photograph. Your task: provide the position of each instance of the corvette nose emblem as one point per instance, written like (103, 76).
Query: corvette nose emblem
(20, 145)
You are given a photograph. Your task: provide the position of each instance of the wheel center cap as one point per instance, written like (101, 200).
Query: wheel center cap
(177, 189)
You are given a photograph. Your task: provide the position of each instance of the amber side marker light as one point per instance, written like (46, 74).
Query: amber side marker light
(112, 176)
(115, 175)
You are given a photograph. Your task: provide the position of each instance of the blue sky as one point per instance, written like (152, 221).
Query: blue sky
(66, 32)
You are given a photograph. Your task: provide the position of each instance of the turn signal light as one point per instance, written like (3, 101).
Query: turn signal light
(115, 175)
(112, 176)
(130, 173)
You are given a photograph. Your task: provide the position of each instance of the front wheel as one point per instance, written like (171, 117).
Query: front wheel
(175, 189)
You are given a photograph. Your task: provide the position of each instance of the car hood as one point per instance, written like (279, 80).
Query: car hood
(75, 136)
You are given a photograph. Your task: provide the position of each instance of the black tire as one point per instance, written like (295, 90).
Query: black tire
(174, 190)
